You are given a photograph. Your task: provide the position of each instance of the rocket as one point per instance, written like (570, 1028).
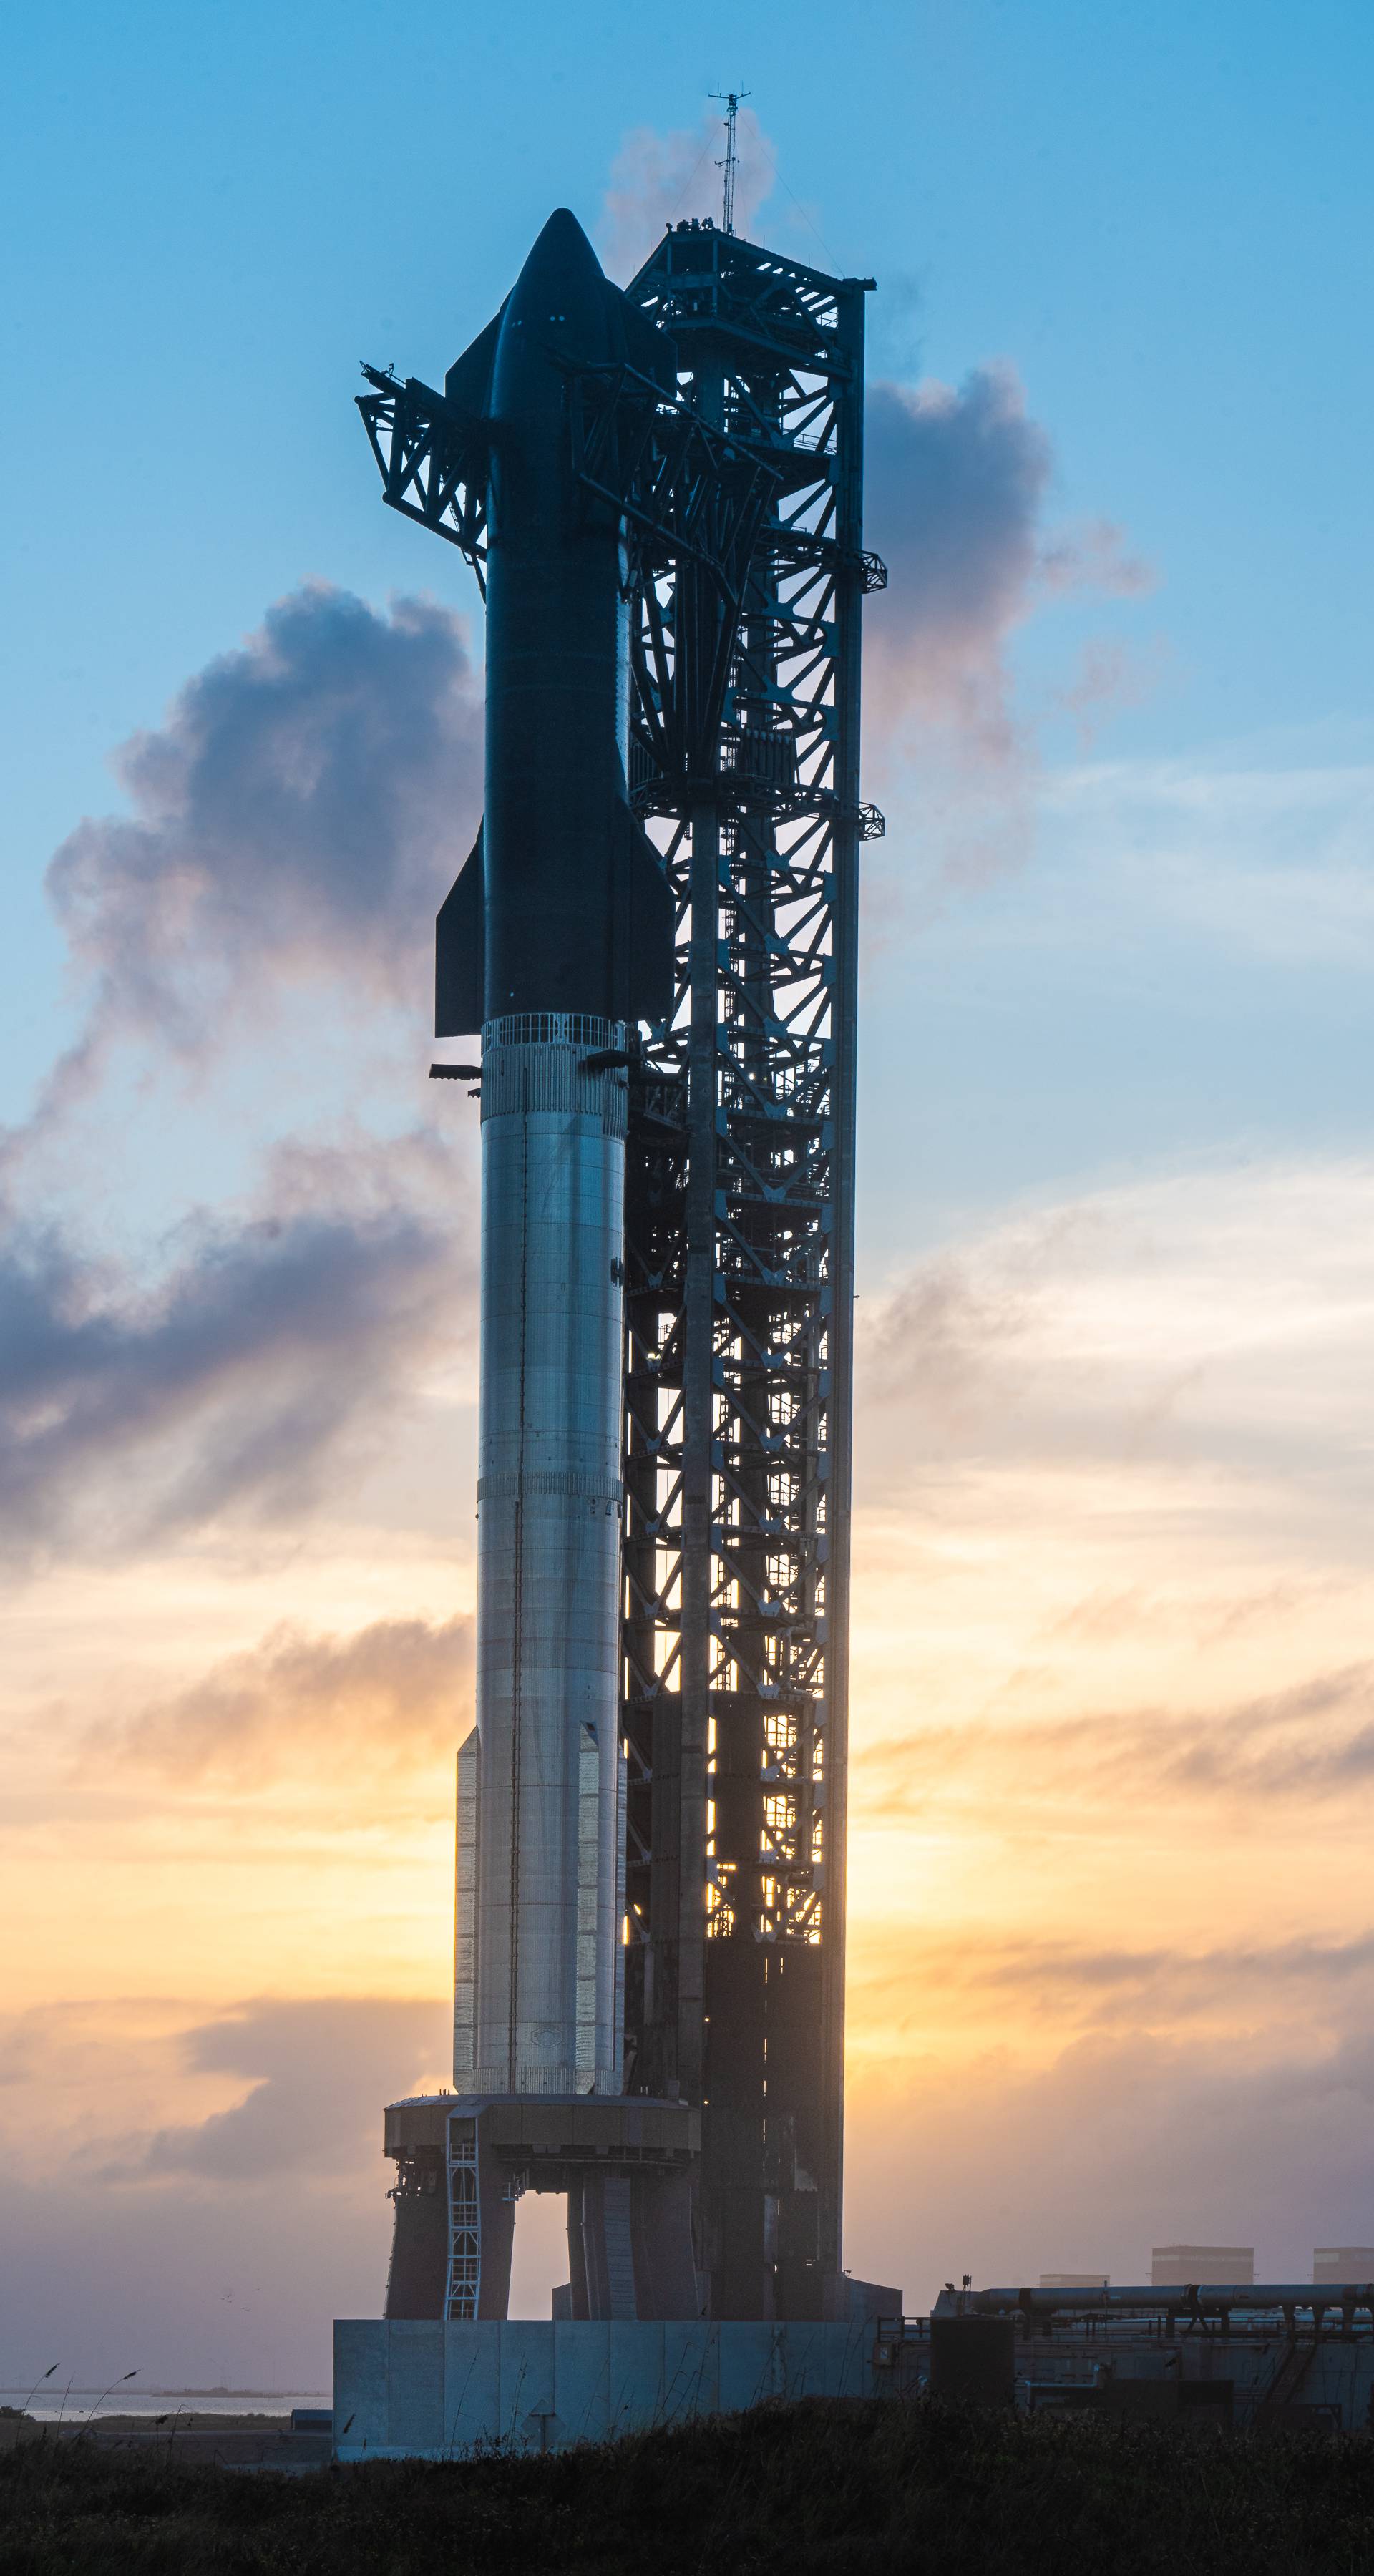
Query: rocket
(562, 905)
(555, 941)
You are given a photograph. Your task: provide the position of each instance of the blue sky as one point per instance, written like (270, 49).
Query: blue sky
(1114, 1632)
(1163, 215)
(1162, 218)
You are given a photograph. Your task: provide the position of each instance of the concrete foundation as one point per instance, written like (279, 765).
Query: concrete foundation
(428, 2391)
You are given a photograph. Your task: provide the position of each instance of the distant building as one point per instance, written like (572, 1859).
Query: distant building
(1343, 2263)
(1176, 2266)
(1080, 2280)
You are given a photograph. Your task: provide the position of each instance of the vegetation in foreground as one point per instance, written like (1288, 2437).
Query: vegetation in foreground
(808, 2490)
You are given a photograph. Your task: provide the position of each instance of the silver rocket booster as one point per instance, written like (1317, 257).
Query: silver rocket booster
(538, 1987)
(556, 938)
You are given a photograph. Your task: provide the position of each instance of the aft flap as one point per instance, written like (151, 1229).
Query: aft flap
(460, 970)
(468, 382)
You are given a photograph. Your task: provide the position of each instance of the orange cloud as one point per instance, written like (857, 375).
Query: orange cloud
(396, 1693)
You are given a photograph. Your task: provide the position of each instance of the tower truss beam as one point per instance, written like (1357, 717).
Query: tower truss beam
(740, 1195)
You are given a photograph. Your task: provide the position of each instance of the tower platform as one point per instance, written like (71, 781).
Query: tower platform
(463, 2161)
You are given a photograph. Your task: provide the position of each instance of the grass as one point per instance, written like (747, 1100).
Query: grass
(811, 2490)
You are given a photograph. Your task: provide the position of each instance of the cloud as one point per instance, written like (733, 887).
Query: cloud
(300, 813)
(1313, 1739)
(954, 486)
(1079, 2103)
(1126, 2141)
(319, 2071)
(1113, 1618)
(1108, 676)
(395, 1691)
(658, 178)
(1160, 1986)
(956, 483)
(295, 820)
(268, 1341)
(1092, 557)
(1266, 863)
(937, 1337)
(1211, 1316)
(198, 2191)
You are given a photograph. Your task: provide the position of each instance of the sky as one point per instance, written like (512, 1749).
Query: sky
(1111, 1945)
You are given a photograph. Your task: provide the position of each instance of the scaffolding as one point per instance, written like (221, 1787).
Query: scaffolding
(739, 1279)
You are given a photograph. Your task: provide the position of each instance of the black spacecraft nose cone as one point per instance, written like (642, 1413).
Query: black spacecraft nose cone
(562, 252)
(559, 297)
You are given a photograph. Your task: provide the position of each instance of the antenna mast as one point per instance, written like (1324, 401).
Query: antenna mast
(732, 100)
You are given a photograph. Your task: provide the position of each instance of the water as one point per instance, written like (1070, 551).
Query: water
(52, 2401)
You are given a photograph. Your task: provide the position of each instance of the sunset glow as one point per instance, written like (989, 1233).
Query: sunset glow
(1110, 1939)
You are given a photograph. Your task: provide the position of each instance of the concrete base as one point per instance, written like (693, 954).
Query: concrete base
(421, 2390)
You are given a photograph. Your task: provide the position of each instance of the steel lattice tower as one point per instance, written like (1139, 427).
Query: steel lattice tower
(739, 1281)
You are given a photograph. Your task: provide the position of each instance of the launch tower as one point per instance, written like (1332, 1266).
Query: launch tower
(739, 1289)
(692, 2106)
